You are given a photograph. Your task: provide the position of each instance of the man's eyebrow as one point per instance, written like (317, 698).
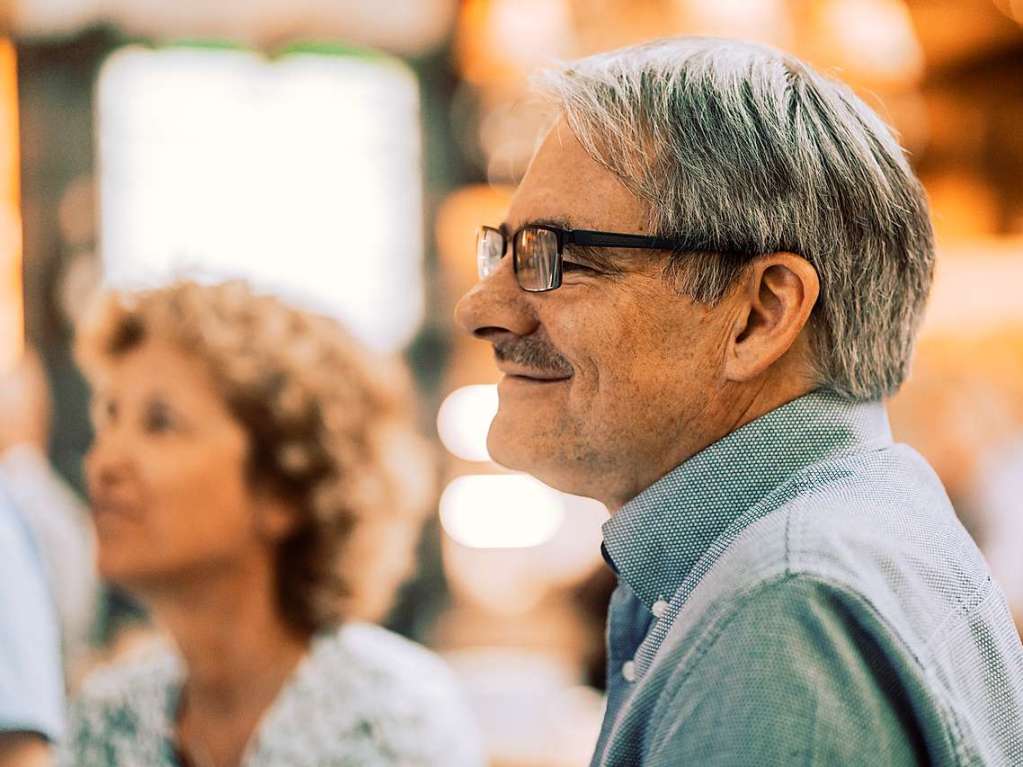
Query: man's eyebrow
(557, 223)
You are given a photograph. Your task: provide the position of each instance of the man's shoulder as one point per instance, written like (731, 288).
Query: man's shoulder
(873, 531)
(835, 519)
(782, 610)
(785, 672)
(861, 558)
(877, 525)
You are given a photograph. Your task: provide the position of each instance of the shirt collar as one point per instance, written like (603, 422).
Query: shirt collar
(655, 539)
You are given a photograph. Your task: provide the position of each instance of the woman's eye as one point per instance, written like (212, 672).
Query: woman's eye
(105, 412)
(158, 419)
(102, 413)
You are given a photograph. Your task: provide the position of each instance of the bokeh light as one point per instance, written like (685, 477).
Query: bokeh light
(498, 511)
(464, 420)
(12, 317)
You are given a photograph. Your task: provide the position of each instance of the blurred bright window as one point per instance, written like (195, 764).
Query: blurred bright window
(301, 173)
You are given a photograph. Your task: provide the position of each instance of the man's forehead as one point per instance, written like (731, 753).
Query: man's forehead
(566, 187)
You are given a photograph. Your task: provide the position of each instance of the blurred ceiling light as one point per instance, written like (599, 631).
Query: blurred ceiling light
(408, 27)
(527, 33)
(873, 41)
(464, 420)
(764, 20)
(500, 511)
(12, 314)
(301, 175)
(500, 41)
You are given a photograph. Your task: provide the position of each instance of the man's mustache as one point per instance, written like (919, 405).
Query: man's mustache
(535, 354)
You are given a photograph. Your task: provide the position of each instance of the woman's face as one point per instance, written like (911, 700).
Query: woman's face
(166, 472)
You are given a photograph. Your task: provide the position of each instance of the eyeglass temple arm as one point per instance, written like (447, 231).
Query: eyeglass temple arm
(587, 237)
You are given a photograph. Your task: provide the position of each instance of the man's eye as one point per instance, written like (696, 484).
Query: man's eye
(575, 266)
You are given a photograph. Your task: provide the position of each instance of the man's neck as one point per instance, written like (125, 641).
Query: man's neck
(726, 415)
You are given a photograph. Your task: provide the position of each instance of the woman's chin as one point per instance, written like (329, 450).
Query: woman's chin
(120, 570)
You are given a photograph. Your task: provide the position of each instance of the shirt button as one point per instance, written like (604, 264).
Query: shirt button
(629, 671)
(659, 608)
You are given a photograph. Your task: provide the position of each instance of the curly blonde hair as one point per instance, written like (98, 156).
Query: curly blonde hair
(330, 430)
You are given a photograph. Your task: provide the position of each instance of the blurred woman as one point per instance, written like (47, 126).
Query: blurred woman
(257, 485)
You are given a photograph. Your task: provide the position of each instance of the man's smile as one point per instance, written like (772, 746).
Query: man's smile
(525, 375)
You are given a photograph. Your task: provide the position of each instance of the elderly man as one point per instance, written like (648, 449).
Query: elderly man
(709, 278)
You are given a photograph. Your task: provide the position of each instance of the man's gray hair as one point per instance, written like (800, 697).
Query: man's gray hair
(742, 149)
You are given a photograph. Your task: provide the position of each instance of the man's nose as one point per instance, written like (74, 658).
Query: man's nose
(497, 305)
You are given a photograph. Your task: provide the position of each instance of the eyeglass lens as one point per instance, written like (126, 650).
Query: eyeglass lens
(489, 251)
(536, 259)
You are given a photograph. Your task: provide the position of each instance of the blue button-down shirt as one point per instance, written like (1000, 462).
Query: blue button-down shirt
(801, 592)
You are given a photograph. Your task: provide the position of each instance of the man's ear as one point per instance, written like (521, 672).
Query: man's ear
(772, 303)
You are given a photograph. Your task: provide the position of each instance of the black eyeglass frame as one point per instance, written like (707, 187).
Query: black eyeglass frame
(585, 237)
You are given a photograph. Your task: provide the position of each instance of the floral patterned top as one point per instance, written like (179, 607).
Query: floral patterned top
(362, 696)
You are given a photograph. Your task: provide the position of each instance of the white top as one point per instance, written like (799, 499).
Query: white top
(362, 696)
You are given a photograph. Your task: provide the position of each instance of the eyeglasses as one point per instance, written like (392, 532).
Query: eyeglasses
(536, 251)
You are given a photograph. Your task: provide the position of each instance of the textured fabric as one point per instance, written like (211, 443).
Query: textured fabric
(363, 696)
(628, 621)
(811, 599)
(31, 679)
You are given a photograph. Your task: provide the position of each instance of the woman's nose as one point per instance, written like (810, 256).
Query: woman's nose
(106, 463)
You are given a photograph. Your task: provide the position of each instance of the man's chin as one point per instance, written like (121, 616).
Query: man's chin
(506, 452)
(518, 451)
(525, 457)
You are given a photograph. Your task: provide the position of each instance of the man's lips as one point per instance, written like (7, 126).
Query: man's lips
(521, 374)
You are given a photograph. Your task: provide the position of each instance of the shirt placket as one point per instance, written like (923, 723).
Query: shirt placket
(628, 621)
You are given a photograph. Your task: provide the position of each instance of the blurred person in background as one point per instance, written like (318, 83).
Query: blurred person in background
(998, 490)
(58, 521)
(31, 684)
(257, 484)
(708, 280)
(31, 681)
